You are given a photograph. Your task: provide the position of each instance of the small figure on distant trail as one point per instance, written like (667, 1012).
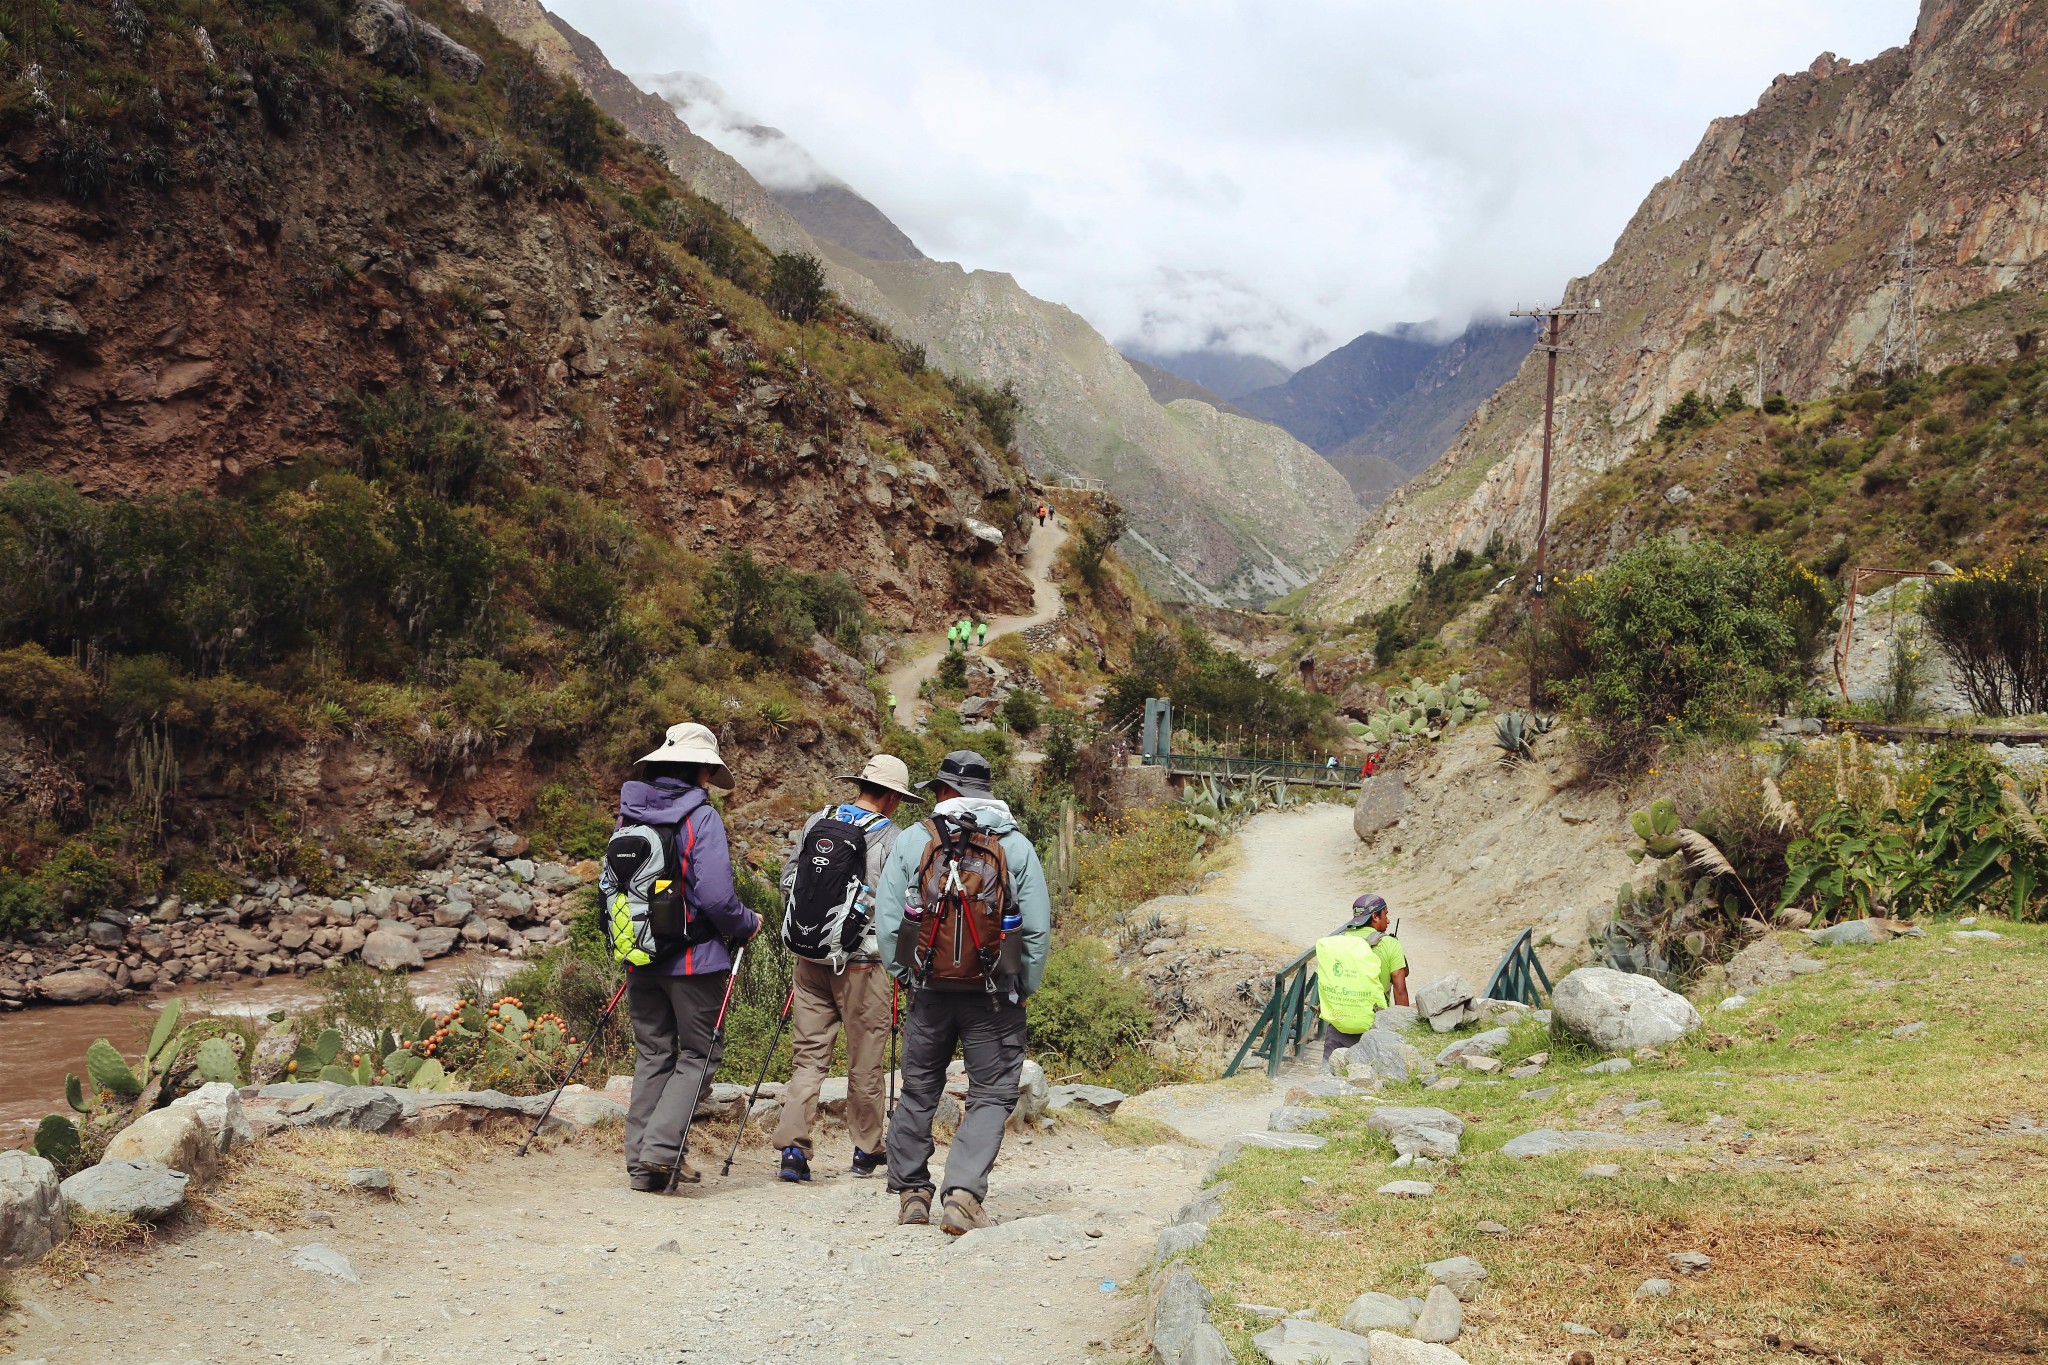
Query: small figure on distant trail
(1370, 766)
(980, 634)
(892, 703)
(1356, 967)
(1331, 766)
(953, 637)
(1041, 514)
(675, 921)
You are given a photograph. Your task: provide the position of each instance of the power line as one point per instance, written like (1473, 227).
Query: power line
(1905, 310)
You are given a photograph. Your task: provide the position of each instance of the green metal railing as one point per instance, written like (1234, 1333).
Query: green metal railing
(1518, 974)
(1290, 1016)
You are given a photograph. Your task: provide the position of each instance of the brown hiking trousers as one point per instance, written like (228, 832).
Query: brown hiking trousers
(858, 1001)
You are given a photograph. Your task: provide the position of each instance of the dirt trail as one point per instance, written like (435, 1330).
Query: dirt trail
(905, 679)
(551, 1258)
(1295, 878)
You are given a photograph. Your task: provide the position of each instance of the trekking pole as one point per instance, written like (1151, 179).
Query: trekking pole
(769, 1056)
(710, 1057)
(574, 1066)
(895, 1023)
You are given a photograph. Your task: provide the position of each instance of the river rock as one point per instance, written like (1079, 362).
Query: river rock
(173, 1137)
(31, 1208)
(1096, 1099)
(1388, 1349)
(219, 1107)
(1292, 1118)
(80, 987)
(1298, 1341)
(453, 914)
(437, 942)
(1478, 1045)
(1461, 1275)
(1395, 1018)
(1385, 1054)
(1377, 1313)
(1446, 1002)
(1619, 1011)
(370, 1179)
(1418, 1131)
(1382, 800)
(1442, 1317)
(1181, 1331)
(142, 1190)
(388, 951)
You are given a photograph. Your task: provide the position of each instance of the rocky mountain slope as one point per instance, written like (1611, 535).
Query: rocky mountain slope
(1224, 509)
(1770, 244)
(1167, 387)
(1385, 404)
(1233, 374)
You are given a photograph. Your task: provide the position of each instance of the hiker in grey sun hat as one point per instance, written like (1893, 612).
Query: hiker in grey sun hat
(965, 771)
(690, 742)
(886, 771)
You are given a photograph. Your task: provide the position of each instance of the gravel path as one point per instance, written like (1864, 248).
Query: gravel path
(905, 679)
(551, 1258)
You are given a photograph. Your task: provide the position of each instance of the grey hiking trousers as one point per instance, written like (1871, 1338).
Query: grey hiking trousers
(992, 1041)
(672, 1024)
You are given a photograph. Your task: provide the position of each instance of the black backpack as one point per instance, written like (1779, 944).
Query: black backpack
(823, 917)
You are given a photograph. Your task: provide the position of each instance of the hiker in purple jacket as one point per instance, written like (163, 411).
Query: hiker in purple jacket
(674, 999)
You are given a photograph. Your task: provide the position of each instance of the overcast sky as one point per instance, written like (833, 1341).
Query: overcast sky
(1277, 176)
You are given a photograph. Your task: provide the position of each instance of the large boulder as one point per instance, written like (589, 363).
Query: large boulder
(174, 1137)
(1372, 1312)
(436, 942)
(389, 951)
(1446, 1002)
(1096, 1099)
(81, 987)
(1385, 1054)
(1619, 1011)
(400, 41)
(219, 1106)
(142, 1190)
(363, 1108)
(31, 1208)
(1382, 799)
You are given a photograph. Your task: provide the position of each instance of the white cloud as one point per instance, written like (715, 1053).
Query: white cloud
(1283, 174)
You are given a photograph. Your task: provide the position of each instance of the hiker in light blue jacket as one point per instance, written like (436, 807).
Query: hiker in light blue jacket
(979, 1009)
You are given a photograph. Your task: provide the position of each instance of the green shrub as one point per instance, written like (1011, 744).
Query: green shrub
(951, 677)
(451, 453)
(796, 286)
(1992, 623)
(999, 407)
(24, 906)
(567, 824)
(1020, 711)
(1687, 637)
(1085, 1013)
(1212, 689)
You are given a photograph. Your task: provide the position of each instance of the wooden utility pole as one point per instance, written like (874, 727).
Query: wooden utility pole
(1550, 340)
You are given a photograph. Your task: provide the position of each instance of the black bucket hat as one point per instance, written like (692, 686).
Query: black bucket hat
(965, 771)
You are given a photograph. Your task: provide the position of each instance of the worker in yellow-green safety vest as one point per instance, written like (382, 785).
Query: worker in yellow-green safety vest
(1354, 968)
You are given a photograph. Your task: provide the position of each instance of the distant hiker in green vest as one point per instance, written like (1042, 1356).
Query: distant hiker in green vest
(953, 637)
(980, 634)
(892, 703)
(966, 633)
(1353, 974)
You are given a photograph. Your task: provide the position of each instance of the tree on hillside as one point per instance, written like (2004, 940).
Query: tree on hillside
(796, 286)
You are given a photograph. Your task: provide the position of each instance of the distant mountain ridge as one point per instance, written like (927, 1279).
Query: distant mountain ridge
(1167, 387)
(1224, 509)
(1232, 374)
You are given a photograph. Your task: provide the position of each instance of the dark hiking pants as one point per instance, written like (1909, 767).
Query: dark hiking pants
(672, 1025)
(992, 1041)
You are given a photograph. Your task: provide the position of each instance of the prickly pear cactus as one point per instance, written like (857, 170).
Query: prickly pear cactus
(166, 1025)
(1657, 827)
(74, 1094)
(217, 1062)
(107, 1071)
(430, 1076)
(57, 1141)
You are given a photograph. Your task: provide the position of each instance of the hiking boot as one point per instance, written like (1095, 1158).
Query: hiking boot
(648, 1179)
(962, 1213)
(865, 1165)
(686, 1174)
(795, 1167)
(915, 1208)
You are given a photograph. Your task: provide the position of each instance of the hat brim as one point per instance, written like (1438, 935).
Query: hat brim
(878, 782)
(966, 786)
(717, 774)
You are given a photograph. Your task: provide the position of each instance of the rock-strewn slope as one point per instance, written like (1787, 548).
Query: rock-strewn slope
(1770, 241)
(1227, 510)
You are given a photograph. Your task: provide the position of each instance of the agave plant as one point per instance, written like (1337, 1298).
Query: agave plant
(1515, 735)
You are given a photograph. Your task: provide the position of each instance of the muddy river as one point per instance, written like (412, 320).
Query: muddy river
(37, 1046)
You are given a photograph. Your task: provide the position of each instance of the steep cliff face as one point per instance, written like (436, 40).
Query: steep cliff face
(1769, 244)
(1224, 510)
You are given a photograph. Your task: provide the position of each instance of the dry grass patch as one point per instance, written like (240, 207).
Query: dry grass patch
(1119, 1129)
(1859, 1193)
(273, 1183)
(94, 1238)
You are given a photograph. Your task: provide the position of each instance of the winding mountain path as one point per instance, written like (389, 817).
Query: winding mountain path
(906, 678)
(1296, 877)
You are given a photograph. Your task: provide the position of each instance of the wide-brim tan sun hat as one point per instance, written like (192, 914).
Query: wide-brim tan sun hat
(885, 770)
(690, 742)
